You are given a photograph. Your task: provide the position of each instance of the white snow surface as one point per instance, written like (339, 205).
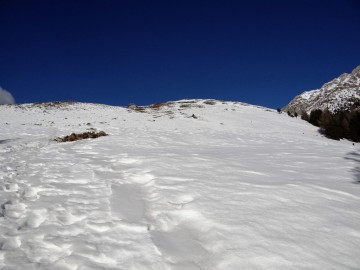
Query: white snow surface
(238, 187)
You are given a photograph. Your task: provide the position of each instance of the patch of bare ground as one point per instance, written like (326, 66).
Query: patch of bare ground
(156, 106)
(160, 105)
(210, 102)
(140, 109)
(53, 104)
(81, 136)
(191, 105)
(136, 108)
(47, 105)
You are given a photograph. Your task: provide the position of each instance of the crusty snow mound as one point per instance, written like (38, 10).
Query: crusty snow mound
(193, 184)
(342, 93)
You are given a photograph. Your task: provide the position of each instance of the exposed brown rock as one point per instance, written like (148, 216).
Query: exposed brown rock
(81, 136)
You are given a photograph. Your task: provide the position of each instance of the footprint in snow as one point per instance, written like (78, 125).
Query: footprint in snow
(35, 218)
(184, 236)
(14, 210)
(144, 178)
(10, 243)
(179, 244)
(29, 194)
(11, 187)
(66, 218)
(181, 200)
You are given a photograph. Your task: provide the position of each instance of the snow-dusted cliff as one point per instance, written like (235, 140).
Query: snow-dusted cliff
(338, 94)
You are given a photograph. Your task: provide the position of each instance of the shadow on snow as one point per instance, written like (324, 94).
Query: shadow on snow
(354, 156)
(6, 141)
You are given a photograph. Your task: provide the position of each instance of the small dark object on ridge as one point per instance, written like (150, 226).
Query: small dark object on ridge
(81, 136)
(210, 102)
(193, 116)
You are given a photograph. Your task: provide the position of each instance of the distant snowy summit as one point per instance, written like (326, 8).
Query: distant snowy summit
(342, 93)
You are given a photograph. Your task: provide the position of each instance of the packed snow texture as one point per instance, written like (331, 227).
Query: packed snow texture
(6, 97)
(342, 93)
(183, 185)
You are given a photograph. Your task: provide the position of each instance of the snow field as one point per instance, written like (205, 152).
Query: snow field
(238, 188)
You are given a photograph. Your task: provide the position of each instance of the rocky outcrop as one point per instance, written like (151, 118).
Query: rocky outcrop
(342, 93)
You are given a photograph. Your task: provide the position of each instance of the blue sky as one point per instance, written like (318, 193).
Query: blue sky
(120, 52)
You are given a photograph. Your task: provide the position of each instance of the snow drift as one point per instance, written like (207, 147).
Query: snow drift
(235, 187)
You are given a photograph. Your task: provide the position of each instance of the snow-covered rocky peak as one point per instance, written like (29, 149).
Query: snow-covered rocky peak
(342, 93)
(356, 71)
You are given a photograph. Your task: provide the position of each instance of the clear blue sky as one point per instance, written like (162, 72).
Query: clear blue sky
(118, 52)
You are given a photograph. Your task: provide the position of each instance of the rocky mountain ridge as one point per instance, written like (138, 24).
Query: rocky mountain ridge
(342, 93)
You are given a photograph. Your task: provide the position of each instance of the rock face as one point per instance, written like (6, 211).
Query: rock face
(342, 93)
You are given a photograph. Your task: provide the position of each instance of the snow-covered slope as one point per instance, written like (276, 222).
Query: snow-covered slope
(338, 94)
(181, 185)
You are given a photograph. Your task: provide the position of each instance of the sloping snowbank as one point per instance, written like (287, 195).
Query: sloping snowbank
(186, 185)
